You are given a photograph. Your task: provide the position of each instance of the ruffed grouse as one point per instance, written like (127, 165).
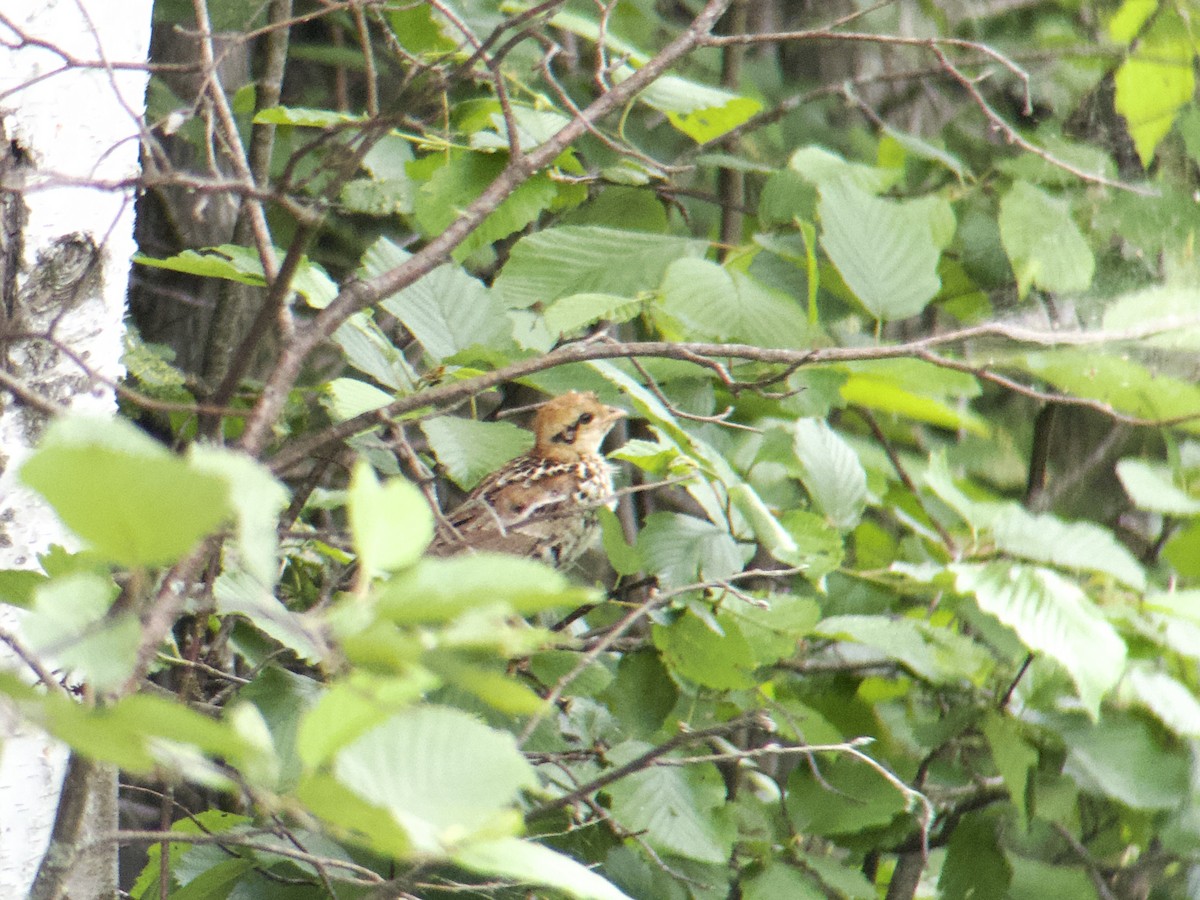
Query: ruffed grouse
(541, 504)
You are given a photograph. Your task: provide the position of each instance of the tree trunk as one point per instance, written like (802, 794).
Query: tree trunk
(69, 125)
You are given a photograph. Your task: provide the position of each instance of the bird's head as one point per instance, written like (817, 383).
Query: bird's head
(573, 425)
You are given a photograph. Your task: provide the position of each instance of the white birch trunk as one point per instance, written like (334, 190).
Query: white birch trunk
(64, 267)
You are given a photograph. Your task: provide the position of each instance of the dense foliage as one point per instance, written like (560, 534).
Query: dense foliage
(904, 308)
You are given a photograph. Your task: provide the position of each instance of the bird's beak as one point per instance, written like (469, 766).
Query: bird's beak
(613, 413)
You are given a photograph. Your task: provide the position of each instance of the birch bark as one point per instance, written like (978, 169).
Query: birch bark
(70, 126)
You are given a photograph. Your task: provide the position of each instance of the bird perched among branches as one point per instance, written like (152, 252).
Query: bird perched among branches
(541, 504)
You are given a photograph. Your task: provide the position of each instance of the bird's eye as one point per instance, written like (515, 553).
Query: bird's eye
(585, 418)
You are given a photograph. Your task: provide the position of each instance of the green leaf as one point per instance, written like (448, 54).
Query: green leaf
(884, 250)
(718, 659)
(437, 590)
(70, 626)
(257, 499)
(457, 183)
(569, 315)
(779, 879)
(1112, 758)
(468, 449)
(1043, 242)
(304, 117)
(447, 310)
(353, 816)
(975, 867)
(1169, 307)
(559, 262)
(678, 809)
(352, 706)
(370, 351)
(241, 264)
(625, 558)
(530, 863)
(774, 631)
(818, 543)
(683, 550)
(847, 798)
(769, 532)
(1050, 615)
(831, 472)
(391, 523)
(459, 777)
(126, 495)
(714, 303)
(389, 190)
(1124, 384)
(1151, 487)
(642, 694)
(820, 166)
(349, 397)
(701, 112)
(240, 592)
(931, 652)
(916, 390)
(835, 874)
(1156, 81)
(1015, 759)
(1167, 699)
(1072, 545)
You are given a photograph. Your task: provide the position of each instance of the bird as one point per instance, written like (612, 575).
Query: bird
(542, 504)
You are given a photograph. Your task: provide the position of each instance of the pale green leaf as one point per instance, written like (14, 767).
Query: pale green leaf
(468, 449)
(446, 310)
(717, 659)
(125, 494)
(1128, 386)
(831, 472)
(715, 303)
(257, 498)
(568, 315)
(437, 590)
(1174, 309)
(349, 397)
(69, 627)
(1167, 699)
(242, 264)
(1120, 757)
(391, 523)
(883, 249)
(304, 117)
(1151, 487)
(442, 774)
(1043, 243)
(238, 592)
(370, 351)
(684, 550)
(1013, 755)
(352, 706)
(929, 651)
(529, 863)
(887, 396)
(677, 809)
(584, 259)
(819, 166)
(1050, 615)
(774, 538)
(1047, 539)
(624, 558)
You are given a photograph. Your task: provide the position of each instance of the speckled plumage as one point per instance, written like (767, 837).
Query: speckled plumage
(541, 504)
